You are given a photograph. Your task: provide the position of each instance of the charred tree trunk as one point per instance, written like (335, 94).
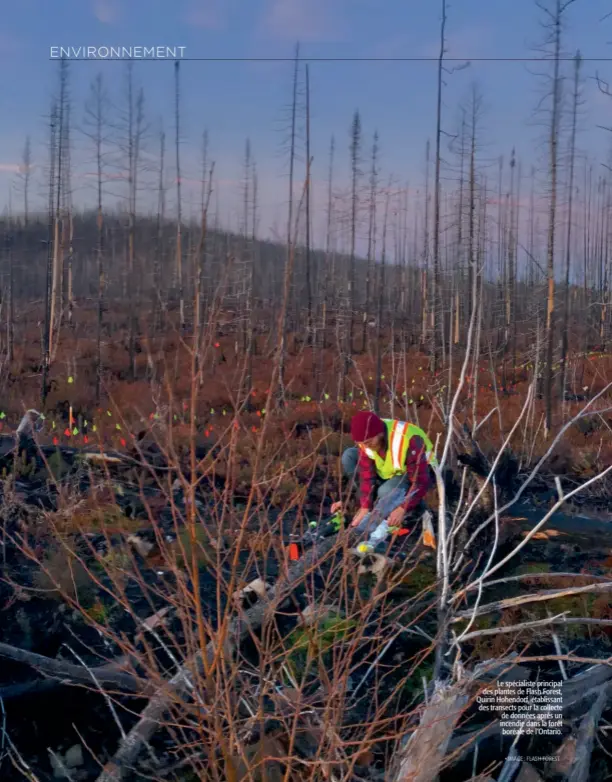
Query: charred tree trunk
(135, 120)
(282, 323)
(438, 320)
(352, 299)
(57, 244)
(425, 283)
(251, 299)
(329, 277)
(371, 240)
(95, 120)
(309, 326)
(381, 296)
(25, 176)
(50, 236)
(159, 244)
(568, 238)
(9, 240)
(179, 245)
(556, 17)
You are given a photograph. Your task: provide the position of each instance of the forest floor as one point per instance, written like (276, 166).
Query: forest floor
(75, 589)
(313, 383)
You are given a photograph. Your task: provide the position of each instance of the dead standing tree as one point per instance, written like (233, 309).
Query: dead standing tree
(24, 177)
(133, 130)
(437, 320)
(554, 22)
(199, 264)
(351, 299)
(570, 216)
(159, 241)
(380, 301)
(202, 295)
(250, 346)
(95, 128)
(437, 310)
(371, 253)
(68, 228)
(355, 150)
(289, 259)
(458, 274)
(604, 258)
(472, 255)
(9, 240)
(510, 275)
(46, 343)
(308, 258)
(179, 246)
(245, 280)
(58, 248)
(325, 298)
(425, 282)
(23, 182)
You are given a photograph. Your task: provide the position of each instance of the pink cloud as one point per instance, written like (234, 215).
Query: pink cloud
(303, 20)
(10, 168)
(205, 13)
(106, 11)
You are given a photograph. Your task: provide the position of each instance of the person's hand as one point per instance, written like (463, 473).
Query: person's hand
(396, 517)
(359, 517)
(337, 506)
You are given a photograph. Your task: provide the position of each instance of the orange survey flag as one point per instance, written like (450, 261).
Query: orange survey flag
(429, 537)
(294, 552)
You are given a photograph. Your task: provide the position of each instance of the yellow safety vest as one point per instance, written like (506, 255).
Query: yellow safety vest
(399, 434)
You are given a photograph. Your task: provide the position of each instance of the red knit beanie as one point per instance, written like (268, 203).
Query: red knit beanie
(365, 425)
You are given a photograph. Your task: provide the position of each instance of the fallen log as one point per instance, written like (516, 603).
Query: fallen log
(589, 532)
(423, 754)
(579, 771)
(179, 685)
(93, 456)
(110, 674)
(35, 687)
(520, 600)
(65, 673)
(576, 691)
(426, 750)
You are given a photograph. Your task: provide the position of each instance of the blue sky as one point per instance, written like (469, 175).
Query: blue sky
(234, 100)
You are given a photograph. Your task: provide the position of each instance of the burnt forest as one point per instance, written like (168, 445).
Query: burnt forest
(180, 362)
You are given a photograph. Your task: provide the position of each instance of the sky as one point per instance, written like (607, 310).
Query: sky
(246, 97)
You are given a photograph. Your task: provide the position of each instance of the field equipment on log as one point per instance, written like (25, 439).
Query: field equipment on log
(375, 523)
(315, 533)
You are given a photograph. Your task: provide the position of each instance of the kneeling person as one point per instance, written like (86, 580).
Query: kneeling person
(393, 454)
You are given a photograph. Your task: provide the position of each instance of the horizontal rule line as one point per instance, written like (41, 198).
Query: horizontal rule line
(338, 59)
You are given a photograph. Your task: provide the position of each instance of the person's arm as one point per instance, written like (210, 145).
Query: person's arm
(365, 472)
(417, 472)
